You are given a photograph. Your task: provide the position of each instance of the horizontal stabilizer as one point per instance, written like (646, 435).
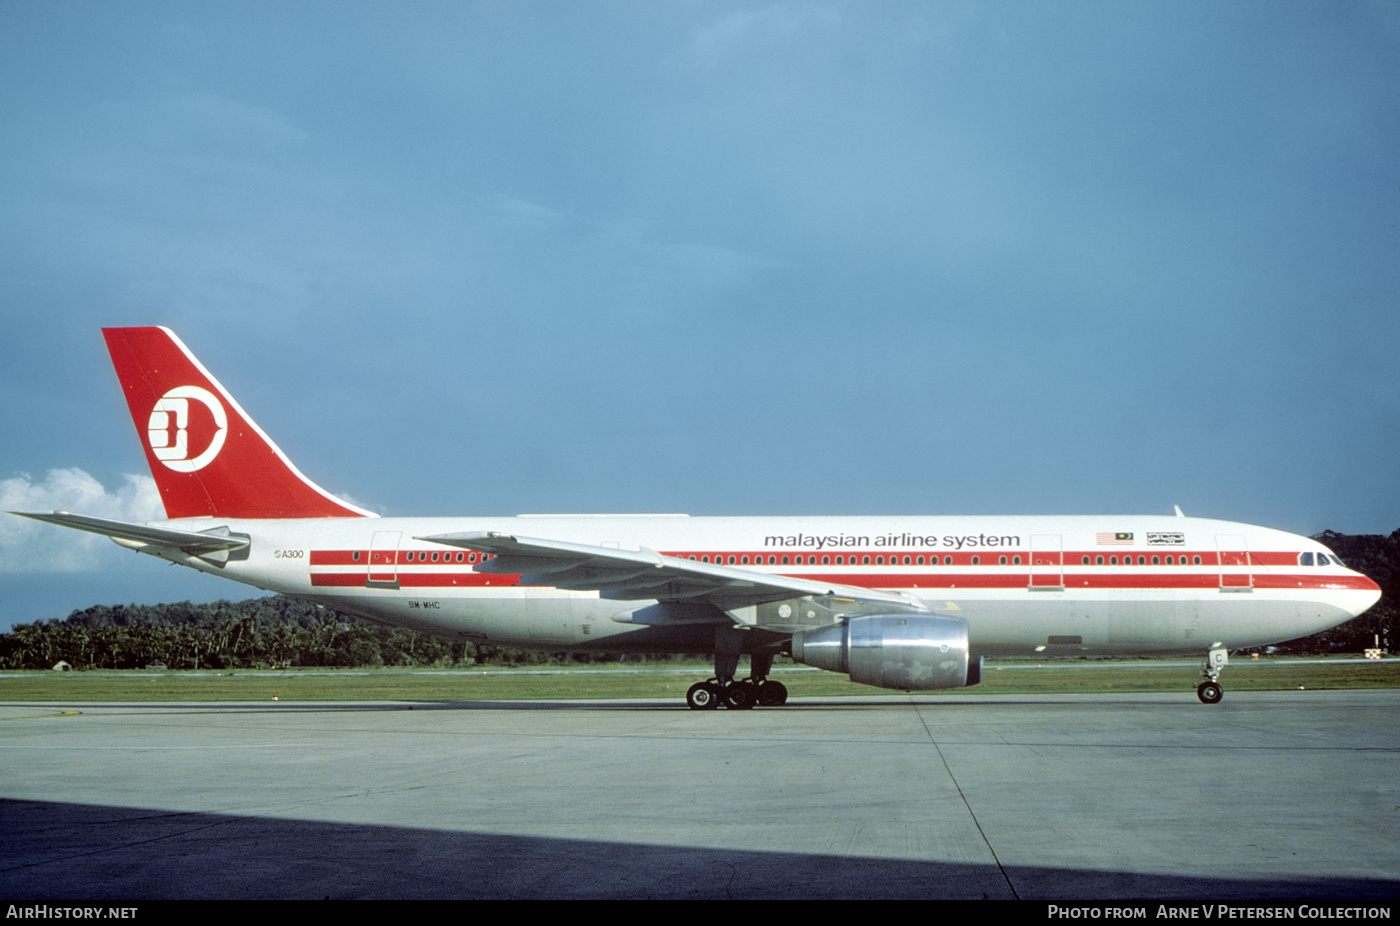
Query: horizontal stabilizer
(195, 543)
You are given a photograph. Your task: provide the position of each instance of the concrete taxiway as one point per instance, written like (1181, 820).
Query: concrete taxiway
(1266, 795)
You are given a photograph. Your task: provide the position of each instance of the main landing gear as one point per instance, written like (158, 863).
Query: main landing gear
(1210, 691)
(736, 695)
(739, 696)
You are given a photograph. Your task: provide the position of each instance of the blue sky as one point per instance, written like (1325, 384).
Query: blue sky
(721, 258)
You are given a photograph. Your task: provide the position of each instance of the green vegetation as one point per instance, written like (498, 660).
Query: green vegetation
(259, 633)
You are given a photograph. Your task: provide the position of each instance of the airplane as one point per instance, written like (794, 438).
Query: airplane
(901, 603)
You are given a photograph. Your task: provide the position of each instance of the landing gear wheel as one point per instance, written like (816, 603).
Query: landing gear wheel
(1210, 693)
(772, 694)
(703, 696)
(741, 696)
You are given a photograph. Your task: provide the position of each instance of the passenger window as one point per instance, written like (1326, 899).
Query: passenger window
(1002, 561)
(826, 560)
(977, 561)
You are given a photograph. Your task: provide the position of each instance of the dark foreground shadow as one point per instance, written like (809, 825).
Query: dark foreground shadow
(70, 852)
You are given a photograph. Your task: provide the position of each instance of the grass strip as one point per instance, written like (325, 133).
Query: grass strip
(999, 677)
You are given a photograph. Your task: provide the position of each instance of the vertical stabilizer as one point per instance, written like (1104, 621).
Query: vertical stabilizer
(207, 456)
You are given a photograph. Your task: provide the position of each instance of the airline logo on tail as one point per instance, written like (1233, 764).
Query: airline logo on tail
(208, 458)
(174, 451)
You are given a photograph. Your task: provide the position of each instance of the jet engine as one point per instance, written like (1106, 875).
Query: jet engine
(908, 652)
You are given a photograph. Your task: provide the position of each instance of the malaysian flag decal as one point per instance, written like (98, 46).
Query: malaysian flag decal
(1111, 538)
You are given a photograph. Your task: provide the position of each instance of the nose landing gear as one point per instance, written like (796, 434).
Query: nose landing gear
(1210, 691)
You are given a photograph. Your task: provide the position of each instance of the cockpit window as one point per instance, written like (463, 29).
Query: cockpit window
(1305, 559)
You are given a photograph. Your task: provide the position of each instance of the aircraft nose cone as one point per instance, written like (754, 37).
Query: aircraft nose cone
(1366, 594)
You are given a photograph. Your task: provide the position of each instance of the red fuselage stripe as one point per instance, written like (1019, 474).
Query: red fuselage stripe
(1208, 558)
(418, 573)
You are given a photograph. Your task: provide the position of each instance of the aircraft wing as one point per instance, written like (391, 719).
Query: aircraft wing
(212, 544)
(635, 575)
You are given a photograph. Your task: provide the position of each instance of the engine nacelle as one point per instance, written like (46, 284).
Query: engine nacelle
(908, 652)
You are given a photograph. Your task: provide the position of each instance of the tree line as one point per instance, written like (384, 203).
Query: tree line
(282, 632)
(259, 633)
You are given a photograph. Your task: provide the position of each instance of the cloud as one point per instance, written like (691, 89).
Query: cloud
(32, 546)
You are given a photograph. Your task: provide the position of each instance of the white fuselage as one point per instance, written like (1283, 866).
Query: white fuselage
(1025, 585)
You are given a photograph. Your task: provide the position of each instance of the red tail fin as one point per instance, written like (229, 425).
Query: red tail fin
(208, 457)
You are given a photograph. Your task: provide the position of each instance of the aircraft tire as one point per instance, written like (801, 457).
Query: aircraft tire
(703, 696)
(1210, 693)
(741, 696)
(772, 694)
